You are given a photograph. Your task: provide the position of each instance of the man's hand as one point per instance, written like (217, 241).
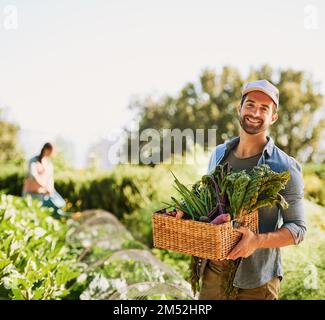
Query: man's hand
(251, 241)
(246, 246)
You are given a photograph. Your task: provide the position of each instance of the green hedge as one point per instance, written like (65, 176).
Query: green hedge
(128, 187)
(118, 192)
(130, 192)
(314, 180)
(11, 179)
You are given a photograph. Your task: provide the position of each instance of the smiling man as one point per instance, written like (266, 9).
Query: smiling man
(260, 271)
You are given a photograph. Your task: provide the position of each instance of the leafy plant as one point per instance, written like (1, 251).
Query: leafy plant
(35, 261)
(238, 192)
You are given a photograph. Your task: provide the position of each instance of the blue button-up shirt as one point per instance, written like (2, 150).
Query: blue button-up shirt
(264, 264)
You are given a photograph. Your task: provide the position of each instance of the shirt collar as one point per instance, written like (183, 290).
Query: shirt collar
(268, 148)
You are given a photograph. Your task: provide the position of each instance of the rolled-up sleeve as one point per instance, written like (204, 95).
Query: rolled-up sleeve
(294, 216)
(212, 162)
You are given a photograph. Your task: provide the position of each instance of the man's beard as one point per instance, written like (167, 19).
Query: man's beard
(251, 128)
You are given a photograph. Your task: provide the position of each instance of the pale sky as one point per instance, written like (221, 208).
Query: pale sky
(71, 67)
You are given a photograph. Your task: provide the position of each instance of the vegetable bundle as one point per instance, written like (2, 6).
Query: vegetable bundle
(236, 193)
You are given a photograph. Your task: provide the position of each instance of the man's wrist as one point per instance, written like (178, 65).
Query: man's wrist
(261, 238)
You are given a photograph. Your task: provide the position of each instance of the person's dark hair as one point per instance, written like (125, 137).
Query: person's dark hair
(275, 109)
(47, 146)
(243, 99)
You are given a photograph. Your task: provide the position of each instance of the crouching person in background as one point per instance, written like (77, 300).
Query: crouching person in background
(39, 181)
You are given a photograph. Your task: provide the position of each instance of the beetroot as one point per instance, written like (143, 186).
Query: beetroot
(222, 218)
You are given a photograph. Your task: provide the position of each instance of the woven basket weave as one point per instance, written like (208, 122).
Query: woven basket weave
(199, 239)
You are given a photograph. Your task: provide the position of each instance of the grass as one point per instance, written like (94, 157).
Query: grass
(304, 265)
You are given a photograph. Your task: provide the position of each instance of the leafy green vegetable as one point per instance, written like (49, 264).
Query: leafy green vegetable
(238, 192)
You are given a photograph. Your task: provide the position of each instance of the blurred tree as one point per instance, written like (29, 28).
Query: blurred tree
(211, 103)
(60, 162)
(9, 146)
(63, 155)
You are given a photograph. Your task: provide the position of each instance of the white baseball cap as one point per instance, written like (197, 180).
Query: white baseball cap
(264, 86)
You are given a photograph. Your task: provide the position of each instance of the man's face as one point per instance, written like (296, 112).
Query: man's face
(256, 113)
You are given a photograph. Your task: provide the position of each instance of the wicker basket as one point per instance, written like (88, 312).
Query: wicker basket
(199, 239)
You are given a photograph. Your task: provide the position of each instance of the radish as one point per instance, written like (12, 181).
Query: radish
(222, 218)
(179, 214)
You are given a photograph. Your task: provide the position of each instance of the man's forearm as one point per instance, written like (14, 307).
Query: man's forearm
(279, 238)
